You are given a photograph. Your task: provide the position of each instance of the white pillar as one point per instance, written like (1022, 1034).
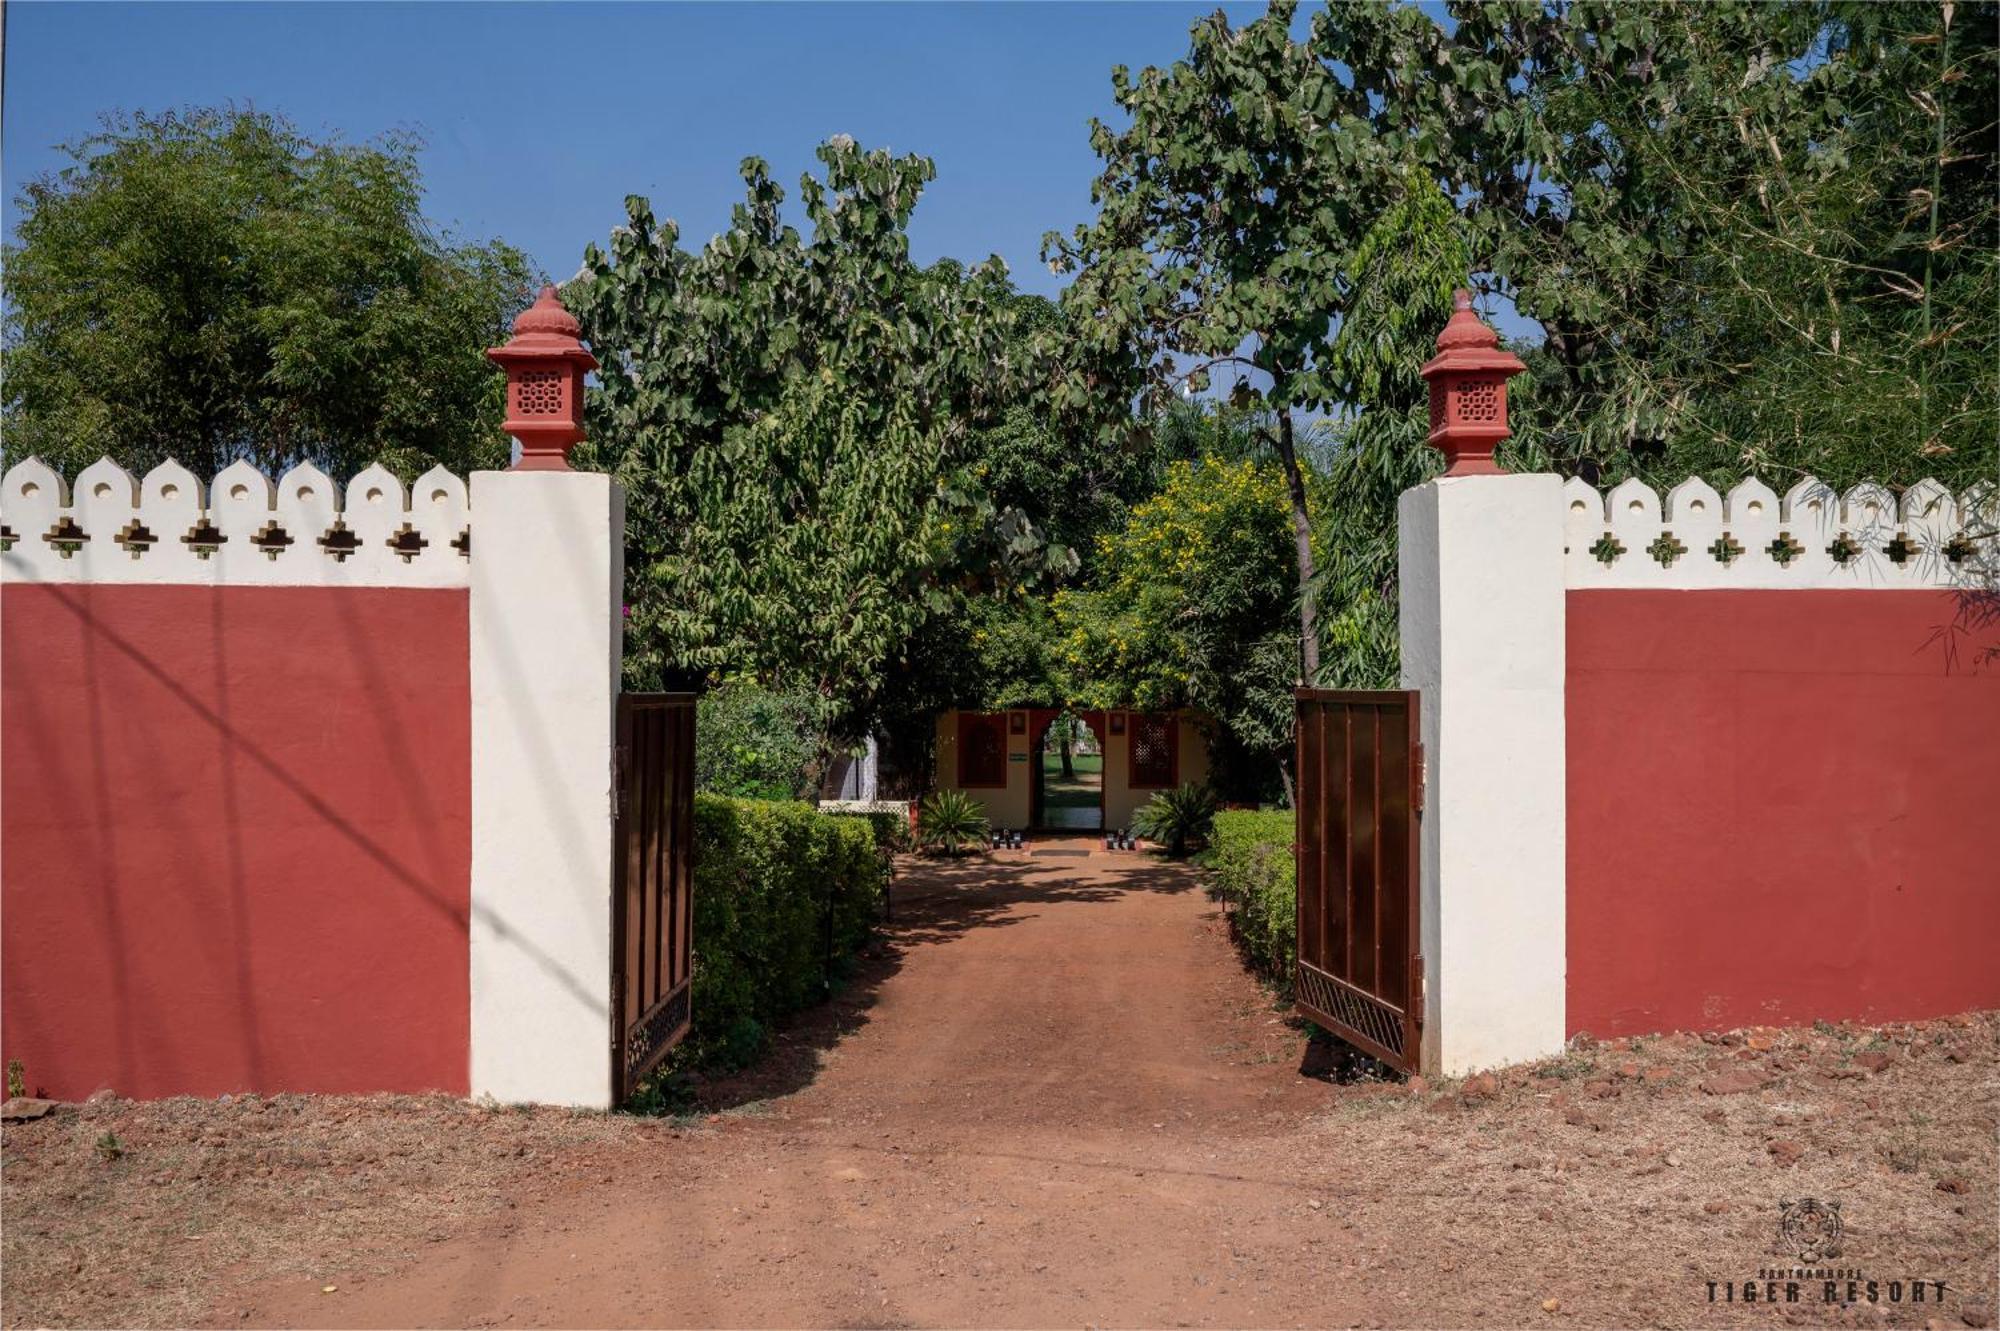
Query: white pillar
(1482, 604)
(547, 634)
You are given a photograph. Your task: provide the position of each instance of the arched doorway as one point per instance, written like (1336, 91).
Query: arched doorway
(1068, 768)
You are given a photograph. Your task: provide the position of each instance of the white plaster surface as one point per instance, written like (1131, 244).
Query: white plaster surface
(1938, 532)
(1482, 606)
(242, 503)
(546, 629)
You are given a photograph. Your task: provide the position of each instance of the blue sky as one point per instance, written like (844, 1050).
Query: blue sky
(540, 118)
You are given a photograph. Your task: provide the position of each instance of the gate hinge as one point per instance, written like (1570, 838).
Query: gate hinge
(1418, 775)
(1417, 988)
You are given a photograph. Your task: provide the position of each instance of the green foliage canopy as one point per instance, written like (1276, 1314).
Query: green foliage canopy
(755, 743)
(1757, 237)
(1187, 607)
(213, 285)
(795, 419)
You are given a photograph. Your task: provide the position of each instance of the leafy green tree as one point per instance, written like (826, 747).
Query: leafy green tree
(210, 285)
(844, 467)
(791, 416)
(754, 743)
(1221, 235)
(1406, 268)
(1188, 606)
(1070, 472)
(1757, 237)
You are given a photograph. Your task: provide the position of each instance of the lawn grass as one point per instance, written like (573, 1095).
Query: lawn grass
(1080, 792)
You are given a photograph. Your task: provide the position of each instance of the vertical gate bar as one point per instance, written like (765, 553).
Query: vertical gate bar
(684, 851)
(669, 804)
(1308, 795)
(1375, 866)
(670, 910)
(1330, 743)
(1333, 927)
(642, 767)
(655, 794)
(625, 947)
(683, 866)
(1393, 949)
(1415, 1011)
(1344, 921)
(630, 905)
(1361, 851)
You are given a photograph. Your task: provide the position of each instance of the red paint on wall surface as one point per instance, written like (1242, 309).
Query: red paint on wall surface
(1781, 808)
(235, 838)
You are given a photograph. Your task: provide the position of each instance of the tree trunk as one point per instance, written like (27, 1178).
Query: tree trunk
(1069, 764)
(1302, 537)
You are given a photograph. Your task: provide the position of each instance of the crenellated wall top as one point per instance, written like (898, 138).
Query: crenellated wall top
(304, 529)
(1753, 537)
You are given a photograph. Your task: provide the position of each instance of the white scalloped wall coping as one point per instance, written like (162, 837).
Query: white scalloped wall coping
(1754, 538)
(240, 530)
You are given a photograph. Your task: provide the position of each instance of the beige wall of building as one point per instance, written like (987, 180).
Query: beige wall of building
(1010, 806)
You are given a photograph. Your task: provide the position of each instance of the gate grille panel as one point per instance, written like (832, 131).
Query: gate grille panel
(1332, 1003)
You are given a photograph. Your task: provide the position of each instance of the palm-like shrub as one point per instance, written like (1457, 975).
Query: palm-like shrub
(949, 821)
(1177, 818)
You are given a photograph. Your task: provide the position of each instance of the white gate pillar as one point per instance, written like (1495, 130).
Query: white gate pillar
(547, 627)
(1482, 613)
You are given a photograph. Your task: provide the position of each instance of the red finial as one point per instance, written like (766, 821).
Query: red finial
(1468, 379)
(545, 364)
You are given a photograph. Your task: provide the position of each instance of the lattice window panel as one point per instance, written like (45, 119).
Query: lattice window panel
(982, 750)
(1479, 401)
(539, 393)
(1154, 752)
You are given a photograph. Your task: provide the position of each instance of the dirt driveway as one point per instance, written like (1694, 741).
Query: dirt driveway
(1053, 1099)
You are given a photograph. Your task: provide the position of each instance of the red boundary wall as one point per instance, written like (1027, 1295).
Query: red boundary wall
(1781, 807)
(237, 838)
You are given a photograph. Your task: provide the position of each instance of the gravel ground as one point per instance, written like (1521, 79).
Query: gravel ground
(1052, 1099)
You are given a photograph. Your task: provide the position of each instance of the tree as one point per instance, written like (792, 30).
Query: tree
(1405, 270)
(1221, 237)
(796, 420)
(1756, 237)
(212, 285)
(1188, 607)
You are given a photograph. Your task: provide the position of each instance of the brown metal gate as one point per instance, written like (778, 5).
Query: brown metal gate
(652, 904)
(1360, 793)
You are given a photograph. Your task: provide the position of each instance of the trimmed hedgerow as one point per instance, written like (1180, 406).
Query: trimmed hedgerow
(891, 826)
(1249, 859)
(767, 877)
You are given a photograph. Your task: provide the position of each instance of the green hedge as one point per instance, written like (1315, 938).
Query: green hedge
(766, 875)
(890, 827)
(1249, 858)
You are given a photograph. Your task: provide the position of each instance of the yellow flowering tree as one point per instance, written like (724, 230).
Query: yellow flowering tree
(1192, 604)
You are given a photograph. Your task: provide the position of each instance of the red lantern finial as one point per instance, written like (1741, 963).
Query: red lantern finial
(1468, 379)
(545, 364)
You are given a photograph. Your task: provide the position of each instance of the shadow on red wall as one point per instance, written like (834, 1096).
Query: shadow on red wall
(1781, 808)
(237, 838)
